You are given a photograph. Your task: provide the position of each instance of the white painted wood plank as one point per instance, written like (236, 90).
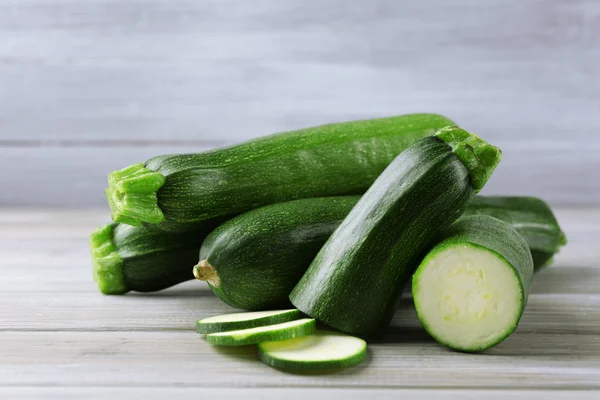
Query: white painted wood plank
(83, 309)
(104, 72)
(193, 393)
(67, 177)
(56, 330)
(230, 69)
(183, 359)
(559, 172)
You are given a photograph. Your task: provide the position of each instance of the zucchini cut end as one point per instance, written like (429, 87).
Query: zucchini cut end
(468, 298)
(132, 195)
(480, 157)
(106, 262)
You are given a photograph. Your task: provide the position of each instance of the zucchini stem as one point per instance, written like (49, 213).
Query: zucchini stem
(203, 271)
(480, 157)
(106, 261)
(132, 195)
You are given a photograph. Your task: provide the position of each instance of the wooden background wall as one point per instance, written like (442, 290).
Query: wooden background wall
(88, 86)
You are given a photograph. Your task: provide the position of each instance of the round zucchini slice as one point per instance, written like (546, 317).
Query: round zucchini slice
(243, 337)
(245, 320)
(323, 350)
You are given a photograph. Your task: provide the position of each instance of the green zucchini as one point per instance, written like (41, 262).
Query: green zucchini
(180, 191)
(285, 239)
(323, 350)
(531, 217)
(254, 260)
(356, 278)
(283, 331)
(471, 288)
(142, 259)
(237, 321)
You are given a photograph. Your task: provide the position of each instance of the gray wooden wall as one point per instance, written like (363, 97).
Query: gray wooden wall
(88, 86)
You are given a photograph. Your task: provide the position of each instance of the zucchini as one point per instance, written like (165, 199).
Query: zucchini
(531, 217)
(231, 322)
(285, 239)
(180, 191)
(141, 259)
(356, 278)
(471, 288)
(323, 350)
(283, 331)
(254, 260)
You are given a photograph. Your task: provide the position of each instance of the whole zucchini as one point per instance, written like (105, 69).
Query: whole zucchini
(142, 259)
(180, 191)
(471, 288)
(355, 280)
(531, 217)
(254, 260)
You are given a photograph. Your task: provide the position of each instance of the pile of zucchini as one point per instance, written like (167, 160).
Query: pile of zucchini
(333, 221)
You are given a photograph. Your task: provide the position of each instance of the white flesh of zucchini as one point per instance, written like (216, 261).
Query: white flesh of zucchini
(286, 330)
(245, 320)
(467, 297)
(323, 350)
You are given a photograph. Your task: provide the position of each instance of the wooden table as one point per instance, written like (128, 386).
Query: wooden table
(60, 338)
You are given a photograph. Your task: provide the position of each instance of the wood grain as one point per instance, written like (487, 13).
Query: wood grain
(194, 393)
(232, 69)
(92, 86)
(59, 337)
(560, 173)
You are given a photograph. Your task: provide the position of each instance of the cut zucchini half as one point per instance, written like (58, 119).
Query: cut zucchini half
(471, 289)
(322, 351)
(287, 330)
(245, 320)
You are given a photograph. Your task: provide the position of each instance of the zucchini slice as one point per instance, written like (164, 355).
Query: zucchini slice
(471, 288)
(247, 320)
(243, 337)
(323, 350)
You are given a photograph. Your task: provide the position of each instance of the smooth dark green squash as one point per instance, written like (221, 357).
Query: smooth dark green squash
(254, 260)
(178, 192)
(356, 278)
(531, 217)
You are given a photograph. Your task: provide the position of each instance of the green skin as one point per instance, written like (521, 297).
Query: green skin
(258, 257)
(180, 191)
(154, 260)
(269, 334)
(531, 217)
(212, 327)
(255, 260)
(141, 259)
(497, 237)
(311, 365)
(356, 278)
